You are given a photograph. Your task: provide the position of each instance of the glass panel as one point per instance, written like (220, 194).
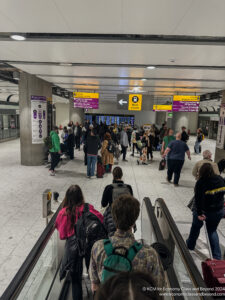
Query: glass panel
(41, 277)
(147, 232)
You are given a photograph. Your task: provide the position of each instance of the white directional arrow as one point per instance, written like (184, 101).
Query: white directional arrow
(121, 102)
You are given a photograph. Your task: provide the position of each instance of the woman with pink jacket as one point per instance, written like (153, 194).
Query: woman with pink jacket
(73, 206)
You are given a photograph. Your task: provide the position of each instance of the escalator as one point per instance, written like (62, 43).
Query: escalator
(38, 277)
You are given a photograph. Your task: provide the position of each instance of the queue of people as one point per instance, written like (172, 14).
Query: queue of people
(117, 224)
(76, 222)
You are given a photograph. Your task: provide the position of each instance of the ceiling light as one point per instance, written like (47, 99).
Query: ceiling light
(151, 67)
(66, 64)
(143, 79)
(18, 37)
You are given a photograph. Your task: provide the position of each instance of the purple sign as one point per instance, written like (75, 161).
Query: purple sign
(39, 98)
(188, 106)
(86, 103)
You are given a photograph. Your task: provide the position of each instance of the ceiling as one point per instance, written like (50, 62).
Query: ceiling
(183, 39)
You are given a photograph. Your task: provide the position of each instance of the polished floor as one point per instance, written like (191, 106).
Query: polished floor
(21, 190)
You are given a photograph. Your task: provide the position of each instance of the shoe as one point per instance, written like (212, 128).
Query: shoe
(52, 173)
(132, 154)
(176, 184)
(168, 180)
(138, 162)
(125, 160)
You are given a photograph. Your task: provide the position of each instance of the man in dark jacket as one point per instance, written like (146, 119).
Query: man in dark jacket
(70, 143)
(184, 135)
(209, 207)
(77, 134)
(93, 144)
(112, 191)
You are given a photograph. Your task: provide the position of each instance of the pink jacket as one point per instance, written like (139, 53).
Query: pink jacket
(63, 224)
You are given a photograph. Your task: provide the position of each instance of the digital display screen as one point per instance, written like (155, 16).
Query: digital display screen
(111, 119)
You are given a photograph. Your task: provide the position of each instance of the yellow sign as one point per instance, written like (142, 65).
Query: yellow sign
(186, 98)
(86, 95)
(162, 107)
(135, 102)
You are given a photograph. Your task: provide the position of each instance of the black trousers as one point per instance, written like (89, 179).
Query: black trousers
(71, 152)
(55, 157)
(76, 278)
(124, 151)
(174, 166)
(149, 151)
(77, 142)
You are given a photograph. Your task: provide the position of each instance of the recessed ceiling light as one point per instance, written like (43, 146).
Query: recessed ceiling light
(143, 79)
(151, 67)
(18, 37)
(66, 64)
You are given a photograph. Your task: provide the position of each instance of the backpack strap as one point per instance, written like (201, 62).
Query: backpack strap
(133, 250)
(86, 208)
(108, 247)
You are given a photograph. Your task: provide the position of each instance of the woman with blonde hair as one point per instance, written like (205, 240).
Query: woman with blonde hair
(107, 156)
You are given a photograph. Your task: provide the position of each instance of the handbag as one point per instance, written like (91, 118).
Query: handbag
(162, 164)
(191, 204)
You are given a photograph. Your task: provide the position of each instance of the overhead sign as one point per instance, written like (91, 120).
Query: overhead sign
(186, 103)
(162, 107)
(86, 100)
(135, 102)
(122, 101)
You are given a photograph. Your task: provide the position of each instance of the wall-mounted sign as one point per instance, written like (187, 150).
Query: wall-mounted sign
(135, 102)
(170, 115)
(186, 103)
(221, 129)
(38, 119)
(86, 100)
(162, 107)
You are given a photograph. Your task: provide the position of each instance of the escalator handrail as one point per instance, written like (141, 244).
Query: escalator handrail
(187, 258)
(171, 275)
(28, 265)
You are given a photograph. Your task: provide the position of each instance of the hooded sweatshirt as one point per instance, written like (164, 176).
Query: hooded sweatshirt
(209, 194)
(55, 142)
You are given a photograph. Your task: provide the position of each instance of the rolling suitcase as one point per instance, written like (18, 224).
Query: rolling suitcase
(214, 271)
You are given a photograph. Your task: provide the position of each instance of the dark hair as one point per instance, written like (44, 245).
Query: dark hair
(56, 127)
(206, 171)
(73, 198)
(125, 211)
(183, 127)
(117, 173)
(129, 285)
(107, 136)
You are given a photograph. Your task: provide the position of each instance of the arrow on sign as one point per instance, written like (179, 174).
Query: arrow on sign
(122, 102)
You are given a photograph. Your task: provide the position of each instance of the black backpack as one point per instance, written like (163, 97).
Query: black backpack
(138, 136)
(111, 147)
(88, 230)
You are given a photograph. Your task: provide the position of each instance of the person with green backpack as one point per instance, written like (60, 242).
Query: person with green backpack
(121, 253)
(54, 150)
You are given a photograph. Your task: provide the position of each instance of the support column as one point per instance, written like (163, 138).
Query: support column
(220, 143)
(76, 114)
(31, 148)
(187, 119)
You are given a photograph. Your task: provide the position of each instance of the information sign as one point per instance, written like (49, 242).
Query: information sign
(38, 119)
(162, 107)
(135, 102)
(86, 100)
(186, 103)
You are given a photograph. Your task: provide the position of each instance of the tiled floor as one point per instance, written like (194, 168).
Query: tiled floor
(21, 190)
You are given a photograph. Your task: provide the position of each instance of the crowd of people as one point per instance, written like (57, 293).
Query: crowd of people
(112, 253)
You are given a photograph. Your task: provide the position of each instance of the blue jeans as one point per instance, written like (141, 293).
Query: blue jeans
(91, 162)
(212, 222)
(197, 147)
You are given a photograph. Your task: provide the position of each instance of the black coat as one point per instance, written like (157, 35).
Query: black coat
(107, 194)
(93, 144)
(70, 140)
(209, 194)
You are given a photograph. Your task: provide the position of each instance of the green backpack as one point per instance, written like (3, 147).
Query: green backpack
(116, 262)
